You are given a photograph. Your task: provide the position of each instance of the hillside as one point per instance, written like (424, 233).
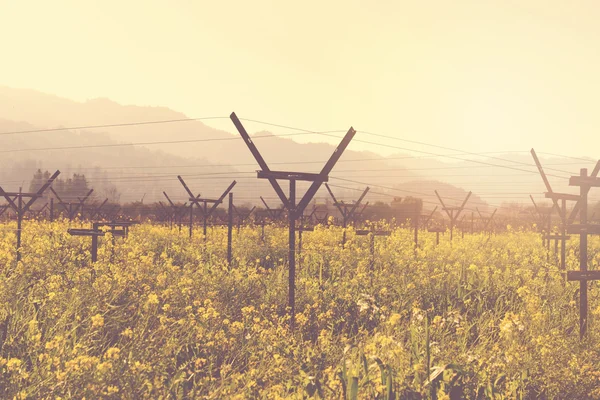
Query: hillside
(209, 158)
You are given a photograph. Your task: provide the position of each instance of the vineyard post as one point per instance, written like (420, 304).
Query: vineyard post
(21, 209)
(563, 242)
(259, 219)
(539, 220)
(294, 210)
(490, 222)
(450, 211)
(94, 233)
(274, 213)
(301, 229)
(487, 221)
(229, 228)
(68, 207)
(428, 217)
(437, 233)
(358, 214)
(38, 214)
(320, 218)
(95, 244)
(19, 223)
(191, 218)
(176, 211)
(416, 234)
(96, 210)
(292, 252)
(346, 210)
(165, 214)
(3, 209)
(472, 221)
(113, 215)
(556, 242)
(372, 232)
(242, 217)
(549, 230)
(562, 209)
(585, 183)
(206, 212)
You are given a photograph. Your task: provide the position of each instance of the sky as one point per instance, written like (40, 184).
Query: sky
(471, 74)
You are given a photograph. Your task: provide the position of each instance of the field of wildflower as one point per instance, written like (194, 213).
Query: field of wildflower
(162, 316)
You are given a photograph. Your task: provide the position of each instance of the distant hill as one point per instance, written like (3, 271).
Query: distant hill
(208, 163)
(209, 166)
(451, 195)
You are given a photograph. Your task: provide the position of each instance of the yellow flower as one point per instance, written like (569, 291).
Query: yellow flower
(113, 390)
(394, 319)
(236, 327)
(97, 321)
(113, 353)
(152, 298)
(104, 367)
(13, 364)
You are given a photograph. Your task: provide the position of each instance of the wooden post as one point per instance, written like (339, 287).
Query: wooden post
(191, 219)
(450, 211)
(204, 220)
(451, 224)
(563, 241)
(19, 223)
(290, 203)
(584, 182)
(95, 232)
(472, 221)
(556, 247)
(197, 200)
(292, 253)
(300, 242)
(372, 244)
(416, 223)
(229, 228)
(372, 232)
(583, 255)
(347, 211)
(52, 209)
(437, 231)
(242, 217)
(94, 244)
(562, 209)
(20, 209)
(549, 231)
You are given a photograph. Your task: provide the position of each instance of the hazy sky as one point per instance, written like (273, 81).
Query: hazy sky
(477, 75)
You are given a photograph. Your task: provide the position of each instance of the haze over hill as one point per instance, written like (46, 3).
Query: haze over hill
(209, 158)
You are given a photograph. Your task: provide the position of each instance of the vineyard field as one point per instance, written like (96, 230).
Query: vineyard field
(160, 315)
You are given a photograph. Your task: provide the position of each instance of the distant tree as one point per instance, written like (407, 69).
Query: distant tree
(111, 192)
(68, 189)
(417, 202)
(39, 178)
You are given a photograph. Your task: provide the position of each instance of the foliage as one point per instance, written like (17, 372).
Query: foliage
(160, 316)
(68, 189)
